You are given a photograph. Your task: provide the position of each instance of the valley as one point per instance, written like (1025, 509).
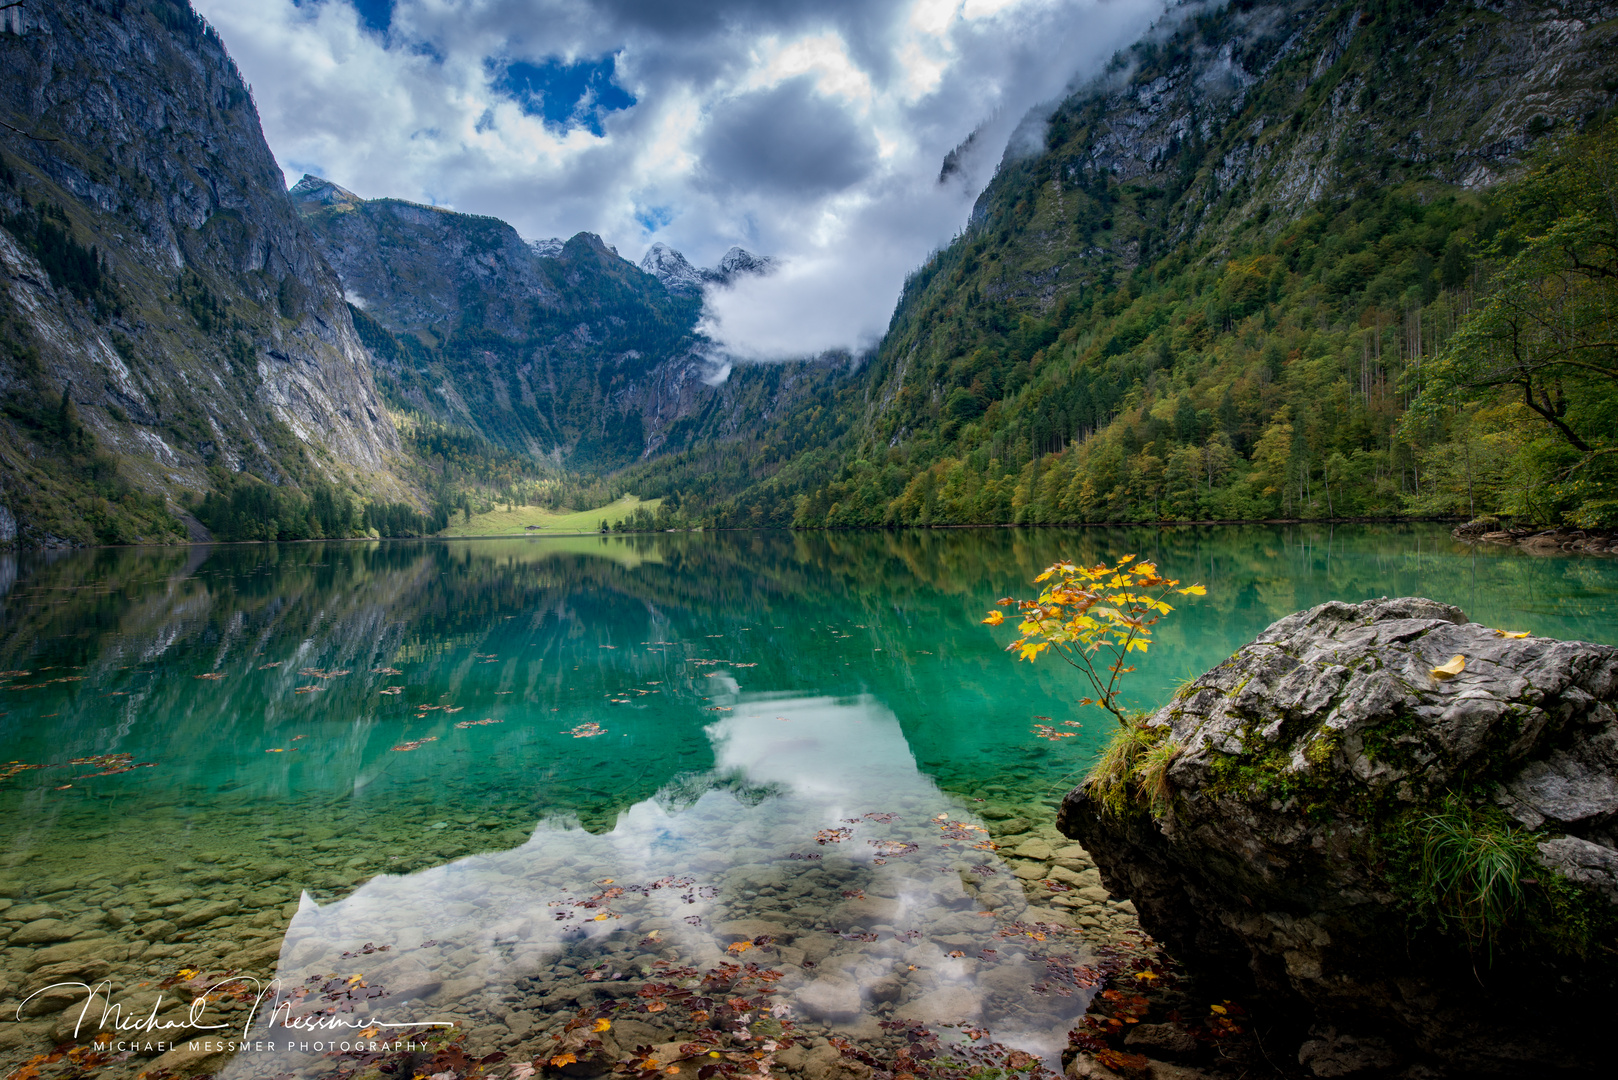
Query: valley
(1229, 286)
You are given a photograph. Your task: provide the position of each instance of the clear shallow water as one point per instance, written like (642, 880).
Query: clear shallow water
(694, 708)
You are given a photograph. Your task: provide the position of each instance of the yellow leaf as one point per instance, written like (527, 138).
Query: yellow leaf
(1456, 665)
(189, 973)
(1512, 633)
(562, 1059)
(995, 618)
(602, 1025)
(1192, 590)
(602, 917)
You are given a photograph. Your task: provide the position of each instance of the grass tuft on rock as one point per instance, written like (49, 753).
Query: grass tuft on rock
(1473, 866)
(1131, 775)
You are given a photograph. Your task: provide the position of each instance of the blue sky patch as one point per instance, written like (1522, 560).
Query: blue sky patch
(653, 218)
(375, 14)
(567, 96)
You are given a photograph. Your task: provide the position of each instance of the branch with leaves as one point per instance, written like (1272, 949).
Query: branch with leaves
(1092, 614)
(1547, 328)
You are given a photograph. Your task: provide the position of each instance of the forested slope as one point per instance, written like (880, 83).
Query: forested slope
(1217, 290)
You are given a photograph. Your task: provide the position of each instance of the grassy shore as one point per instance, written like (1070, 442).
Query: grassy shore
(532, 520)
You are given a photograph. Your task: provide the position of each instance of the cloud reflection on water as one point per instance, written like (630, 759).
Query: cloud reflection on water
(506, 924)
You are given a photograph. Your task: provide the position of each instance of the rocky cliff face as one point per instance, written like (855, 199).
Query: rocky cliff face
(547, 348)
(211, 331)
(1281, 104)
(1332, 794)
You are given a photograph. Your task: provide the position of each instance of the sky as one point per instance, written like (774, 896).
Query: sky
(812, 131)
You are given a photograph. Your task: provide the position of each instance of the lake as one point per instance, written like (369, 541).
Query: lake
(513, 784)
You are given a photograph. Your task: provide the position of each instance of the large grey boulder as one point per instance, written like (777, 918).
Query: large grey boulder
(1282, 862)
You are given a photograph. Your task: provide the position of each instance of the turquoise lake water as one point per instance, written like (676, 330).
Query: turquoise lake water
(446, 747)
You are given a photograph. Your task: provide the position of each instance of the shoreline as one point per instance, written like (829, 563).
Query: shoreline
(1540, 541)
(539, 534)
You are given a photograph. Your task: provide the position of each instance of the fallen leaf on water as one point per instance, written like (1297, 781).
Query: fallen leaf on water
(391, 690)
(586, 731)
(1042, 731)
(278, 663)
(305, 689)
(385, 671)
(110, 764)
(1456, 665)
(212, 675)
(414, 743)
(295, 738)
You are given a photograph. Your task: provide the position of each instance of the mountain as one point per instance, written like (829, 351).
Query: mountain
(165, 310)
(679, 276)
(554, 350)
(1214, 288)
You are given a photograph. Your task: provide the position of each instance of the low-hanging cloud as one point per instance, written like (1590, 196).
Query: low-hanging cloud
(809, 130)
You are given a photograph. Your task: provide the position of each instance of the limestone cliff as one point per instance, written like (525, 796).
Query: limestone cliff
(549, 349)
(153, 267)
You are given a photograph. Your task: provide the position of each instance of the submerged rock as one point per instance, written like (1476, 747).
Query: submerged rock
(1318, 771)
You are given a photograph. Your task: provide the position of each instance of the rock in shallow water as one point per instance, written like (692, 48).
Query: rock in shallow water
(1283, 857)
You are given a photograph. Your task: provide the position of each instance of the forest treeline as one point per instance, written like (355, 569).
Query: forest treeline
(1392, 354)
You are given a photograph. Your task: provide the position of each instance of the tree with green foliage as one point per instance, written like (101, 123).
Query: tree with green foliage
(1546, 337)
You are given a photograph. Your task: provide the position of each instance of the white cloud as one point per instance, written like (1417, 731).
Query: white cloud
(870, 95)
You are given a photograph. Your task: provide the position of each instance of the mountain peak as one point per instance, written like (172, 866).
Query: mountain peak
(315, 189)
(679, 276)
(739, 261)
(672, 269)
